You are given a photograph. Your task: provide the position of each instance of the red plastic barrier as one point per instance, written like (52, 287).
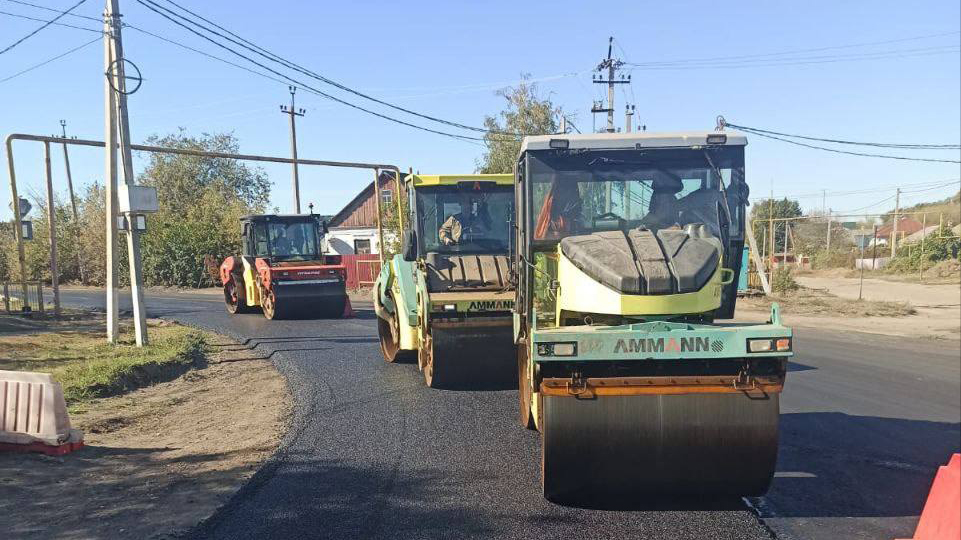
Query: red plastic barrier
(941, 517)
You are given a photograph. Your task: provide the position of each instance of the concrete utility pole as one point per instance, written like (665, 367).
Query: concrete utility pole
(294, 112)
(829, 232)
(119, 127)
(73, 205)
(894, 228)
(611, 65)
(52, 229)
(629, 114)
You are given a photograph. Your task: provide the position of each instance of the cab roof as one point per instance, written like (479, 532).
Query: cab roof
(423, 180)
(641, 139)
(279, 217)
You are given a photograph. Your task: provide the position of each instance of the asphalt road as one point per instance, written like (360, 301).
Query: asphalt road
(372, 453)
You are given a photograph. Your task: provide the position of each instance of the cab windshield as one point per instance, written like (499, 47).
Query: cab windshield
(469, 218)
(293, 241)
(589, 191)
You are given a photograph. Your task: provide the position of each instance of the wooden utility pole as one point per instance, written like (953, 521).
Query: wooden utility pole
(120, 127)
(894, 228)
(73, 205)
(293, 112)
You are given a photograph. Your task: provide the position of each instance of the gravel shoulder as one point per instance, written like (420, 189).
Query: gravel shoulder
(157, 460)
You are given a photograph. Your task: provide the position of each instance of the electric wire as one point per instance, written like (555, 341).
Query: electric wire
(791, 52)
(847, 152)
(49, 60)
(55, 10)
(27, 17)
(840, 141)
(304, 85)
(41, 27)
(252, 47)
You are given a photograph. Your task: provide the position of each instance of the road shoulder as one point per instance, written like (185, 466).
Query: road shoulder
(157, 460)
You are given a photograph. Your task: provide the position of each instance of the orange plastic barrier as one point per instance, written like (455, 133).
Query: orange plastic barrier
(33, 415)
(941, 517)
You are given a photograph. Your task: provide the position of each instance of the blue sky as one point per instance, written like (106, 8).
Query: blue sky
(448, 58)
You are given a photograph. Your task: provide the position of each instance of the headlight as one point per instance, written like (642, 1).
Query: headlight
(762, 345)
(557, 349)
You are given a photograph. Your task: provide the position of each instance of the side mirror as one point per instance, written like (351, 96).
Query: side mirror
(408, 246)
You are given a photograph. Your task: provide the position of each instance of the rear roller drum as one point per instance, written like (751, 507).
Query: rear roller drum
(389, 334)
(235, 297)
(524, 390)
(694, 444)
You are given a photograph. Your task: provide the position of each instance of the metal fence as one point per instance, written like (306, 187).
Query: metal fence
(14, 301)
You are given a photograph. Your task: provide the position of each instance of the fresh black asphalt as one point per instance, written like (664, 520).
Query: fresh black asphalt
(372, 453)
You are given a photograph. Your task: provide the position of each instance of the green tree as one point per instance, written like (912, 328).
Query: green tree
(763, 211)
(526, 113)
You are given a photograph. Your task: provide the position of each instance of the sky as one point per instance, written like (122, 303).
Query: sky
(448, 59)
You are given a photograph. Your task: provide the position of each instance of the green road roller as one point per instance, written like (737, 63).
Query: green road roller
(446, 299)
(627, 254)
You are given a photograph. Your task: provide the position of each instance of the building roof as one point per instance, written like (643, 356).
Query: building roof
(338, 218)
(640, 139)
(906, 226)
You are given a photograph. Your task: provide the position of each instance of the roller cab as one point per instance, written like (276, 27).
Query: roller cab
(628, 253)
(447, 299)
(283, 271)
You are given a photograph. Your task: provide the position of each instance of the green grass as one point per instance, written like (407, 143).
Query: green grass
(88, 367)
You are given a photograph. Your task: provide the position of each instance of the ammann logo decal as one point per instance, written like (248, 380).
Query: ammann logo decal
(670, 345)
(491, 305)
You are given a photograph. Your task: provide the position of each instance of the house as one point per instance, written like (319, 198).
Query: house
(353, 230)
(906, 227)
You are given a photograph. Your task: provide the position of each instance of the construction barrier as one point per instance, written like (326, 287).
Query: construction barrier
(33, 415)
(941, 517)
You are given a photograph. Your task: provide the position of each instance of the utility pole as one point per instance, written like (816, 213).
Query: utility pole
(563, 124)
(73, 204)
(611, 65)
(119, 128)
(294, 112)
(629, 113)
(894, 228)
(829, 232)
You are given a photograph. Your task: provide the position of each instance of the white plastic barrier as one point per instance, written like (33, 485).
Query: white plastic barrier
(33, 414)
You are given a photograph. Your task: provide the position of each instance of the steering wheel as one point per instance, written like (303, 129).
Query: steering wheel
(607, 215)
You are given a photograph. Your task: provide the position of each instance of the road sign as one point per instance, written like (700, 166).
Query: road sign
(25, 207)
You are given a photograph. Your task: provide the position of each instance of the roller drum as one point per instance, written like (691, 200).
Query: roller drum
(314, 300)
(643, 445)
(473, 356)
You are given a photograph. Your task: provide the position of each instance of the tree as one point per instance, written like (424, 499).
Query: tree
(526, 113)
(762, 212)
(181, 179)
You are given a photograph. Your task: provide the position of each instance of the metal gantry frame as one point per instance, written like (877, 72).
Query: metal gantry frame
(47, 140)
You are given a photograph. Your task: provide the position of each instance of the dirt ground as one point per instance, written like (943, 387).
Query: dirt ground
(157, 460)
(937, 306)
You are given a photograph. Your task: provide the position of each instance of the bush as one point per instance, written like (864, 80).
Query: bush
(835, 258)
(783, 281)
(939, 246)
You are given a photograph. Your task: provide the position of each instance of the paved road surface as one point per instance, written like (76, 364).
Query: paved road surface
(373, 453)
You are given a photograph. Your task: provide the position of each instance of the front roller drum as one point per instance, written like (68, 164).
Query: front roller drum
(651, 445)
(469, 356)
(308, 301)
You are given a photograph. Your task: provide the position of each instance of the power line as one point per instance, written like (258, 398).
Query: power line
(45, 62)
(22, 3)
(44, 20)
(847, 152)
(882, 201)
(907, 53)
(46, 24)
(793, 52)
(252, 47)
(819, 194)
(839, 141)
(307, 86)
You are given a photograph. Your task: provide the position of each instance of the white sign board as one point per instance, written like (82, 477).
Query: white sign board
(137, 199)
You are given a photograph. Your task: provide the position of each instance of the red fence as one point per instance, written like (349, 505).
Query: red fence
(362, 270)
